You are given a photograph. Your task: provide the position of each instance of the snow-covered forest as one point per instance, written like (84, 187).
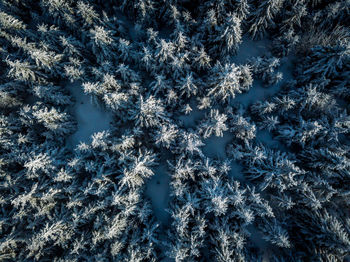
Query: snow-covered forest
(175, 130)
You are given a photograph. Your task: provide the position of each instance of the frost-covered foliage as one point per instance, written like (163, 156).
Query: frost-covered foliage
(212, 212)
(264, 68)
(169, 73)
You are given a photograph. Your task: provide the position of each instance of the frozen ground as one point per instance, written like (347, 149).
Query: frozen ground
(89, 116)
(249, 49)
(215, 146)
(265, 137)
(190, 120)
(257, 238)
(157, 190)
(259, 92)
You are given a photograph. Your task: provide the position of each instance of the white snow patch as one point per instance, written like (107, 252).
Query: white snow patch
(90, 118)
(255, 93)
(249, 49)
(257, 237)
(157, 189)
(190, 119)
(287, 68)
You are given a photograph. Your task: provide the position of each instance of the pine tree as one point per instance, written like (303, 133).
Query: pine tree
(326, 61)
(22, 71)
(166, 136)
(52, 94)
(149, 112)
(187, 85)
(242, 129)
(264, 68)
(214, 124)
(275, 234)
(228, 80)
(262, 17)
(229, 36)
(139, 169)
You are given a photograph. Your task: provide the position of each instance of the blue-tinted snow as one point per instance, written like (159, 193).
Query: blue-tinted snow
(257, 239)
(157, 189)
(265, 137)
(259, 92)
(189, 121)
(90, 117)
(93, 119)
(249, 49)
(215, 147)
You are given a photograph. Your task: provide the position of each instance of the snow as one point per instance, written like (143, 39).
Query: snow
(266, 138)
(190, 120)
(157, 189)
(260, 92)
(236, 172)
(90, 118)
(287, 67)
(215, 147)
(127, 25)
(249, 49)
(255, 93)
(257, 239)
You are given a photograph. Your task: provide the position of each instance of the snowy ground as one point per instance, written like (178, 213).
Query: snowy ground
(215, 146)
(257, 238)
(265, 137)
(190, 120)
(259, 92)
(157, 190)
(249, 49)
(90, 117)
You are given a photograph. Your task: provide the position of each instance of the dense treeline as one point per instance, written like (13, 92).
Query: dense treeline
(149, 62)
